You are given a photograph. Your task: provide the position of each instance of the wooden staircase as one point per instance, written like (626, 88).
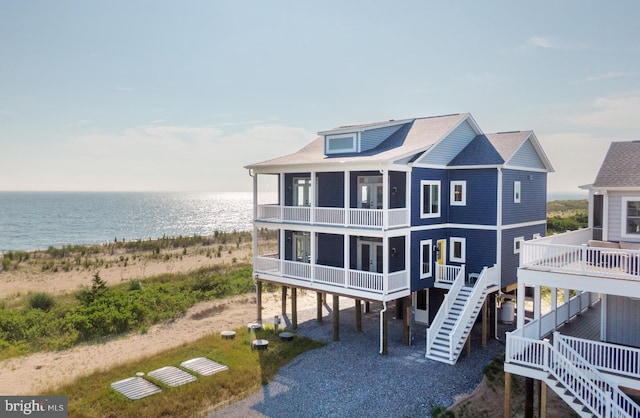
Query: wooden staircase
(460, 309)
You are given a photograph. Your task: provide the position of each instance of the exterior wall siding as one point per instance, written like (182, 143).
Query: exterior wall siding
(417, 175)
(527, 157)
(451, 146)
(533, 199)
(397, 258)
(621, 315)
(331, 190)
(374, 137)
(511, 260)
(416, 236)
(481, 197)
(614, 228)
(480, 248)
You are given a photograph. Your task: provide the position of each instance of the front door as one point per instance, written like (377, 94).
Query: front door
(301, 247)
(421, 302)
(370, 256)
(301, 189)
(441, 258)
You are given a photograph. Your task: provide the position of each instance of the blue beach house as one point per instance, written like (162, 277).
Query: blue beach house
(425, 214)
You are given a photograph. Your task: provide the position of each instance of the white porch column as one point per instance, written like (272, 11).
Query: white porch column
(255, 216)
(283, 242)
(347, 255)
(554, 307)
(567, 300)
(385, 264)
(385, 200)
(346, 199)
(520, 300)
(313, 237)
(313, 203)
(407, 203)
(281, 195)
(407, 258)
(537, 306)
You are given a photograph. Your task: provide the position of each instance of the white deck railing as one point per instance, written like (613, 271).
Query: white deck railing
(351, 217)
(569, 253)
(446, 274)
(333, 276)
(584, 382)
(549, 322)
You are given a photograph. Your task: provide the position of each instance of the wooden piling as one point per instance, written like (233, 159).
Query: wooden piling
(259, 301)
(336, 318)
(358, 315)
(294, 308)
(507, 395)
(284, 300)
(319, 306)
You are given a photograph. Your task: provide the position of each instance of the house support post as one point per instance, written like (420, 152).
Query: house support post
(468, 343)
(543, 400)
(507, 395)
(259, 301)
(358, 313)
(319, 306)
(336, 318)
(406, 322)
(284, 300)
(367, 307)
(294, 308)
(484, 323)
(528, 397)
(383, 330)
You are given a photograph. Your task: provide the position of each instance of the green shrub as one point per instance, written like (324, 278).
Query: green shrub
(42, 301)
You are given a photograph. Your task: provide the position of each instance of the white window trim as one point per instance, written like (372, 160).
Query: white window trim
(623, 217)
(463, 246)
(329, 138)
(517, 191)
(452, 194)
(516, 247)
(430, 183)
(428, 243)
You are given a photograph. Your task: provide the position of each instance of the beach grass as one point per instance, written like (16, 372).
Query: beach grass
(249, 370)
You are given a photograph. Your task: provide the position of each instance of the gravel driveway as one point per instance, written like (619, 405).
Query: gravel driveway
(349, 378)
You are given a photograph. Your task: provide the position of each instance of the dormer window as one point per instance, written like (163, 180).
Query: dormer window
(338, 144)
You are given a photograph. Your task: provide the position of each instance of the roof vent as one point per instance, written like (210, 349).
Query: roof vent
(509, 132)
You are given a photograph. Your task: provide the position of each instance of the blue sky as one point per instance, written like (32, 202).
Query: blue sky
(154, 95)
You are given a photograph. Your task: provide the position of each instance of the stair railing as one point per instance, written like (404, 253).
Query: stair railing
(469, 313)
(441, 315)
(621, 402)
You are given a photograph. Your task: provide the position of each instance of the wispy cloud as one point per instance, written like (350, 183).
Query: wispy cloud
(615, 113)
(609, 75)
(543, 42)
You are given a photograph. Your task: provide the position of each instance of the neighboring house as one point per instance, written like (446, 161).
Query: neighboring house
(406, 211)
(600, 263)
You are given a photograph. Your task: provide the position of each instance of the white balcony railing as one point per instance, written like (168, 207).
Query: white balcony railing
(446, 274)
(569, 253)
(351, 217)
(360, 280)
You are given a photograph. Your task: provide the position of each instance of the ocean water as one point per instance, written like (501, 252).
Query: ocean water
(37, 220)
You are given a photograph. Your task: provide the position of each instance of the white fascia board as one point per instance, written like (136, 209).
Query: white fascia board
(524, 224)
(457, 167)
(452, 225)
(354, 129)
(522, 168)
(604, 285)
(619, 189)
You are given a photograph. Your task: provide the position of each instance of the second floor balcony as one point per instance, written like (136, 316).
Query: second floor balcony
(347, 217)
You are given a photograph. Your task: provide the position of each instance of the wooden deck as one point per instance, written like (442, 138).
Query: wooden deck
(586, 325)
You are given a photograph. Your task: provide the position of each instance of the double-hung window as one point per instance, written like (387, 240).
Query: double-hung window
(429, 199)
(457, 250)
(425, 259)
(516, 191)
(631, 217)
(458, 193)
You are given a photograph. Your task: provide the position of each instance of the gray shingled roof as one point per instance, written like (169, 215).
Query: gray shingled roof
(621, 166)
(414, 137)
(507, 143)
